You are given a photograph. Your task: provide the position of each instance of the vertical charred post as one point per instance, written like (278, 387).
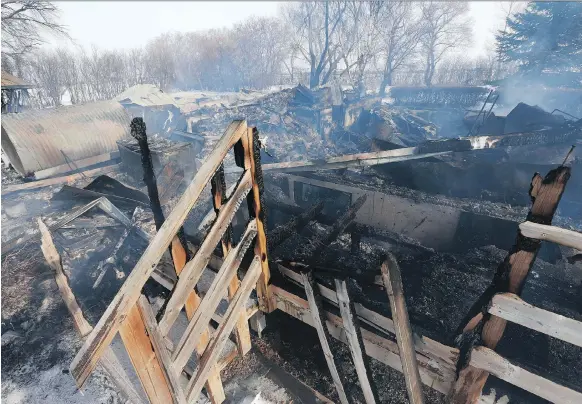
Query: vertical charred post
(481, 327)
(218, 186)
(138, 131)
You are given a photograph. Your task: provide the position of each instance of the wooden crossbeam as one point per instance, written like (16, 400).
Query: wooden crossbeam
(315, 306)
(193, 269)
(214, 295)
(487, 360)
(355, 343)
(432, 372)
(568, 238)
(214, 349)
(444, 355)
(511, 308)
(393, 283)
(122, 304)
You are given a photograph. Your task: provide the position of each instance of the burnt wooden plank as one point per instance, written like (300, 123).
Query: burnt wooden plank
(355, 342)
(395, 290)
(101, 336)
(283, 232)
(315, 306)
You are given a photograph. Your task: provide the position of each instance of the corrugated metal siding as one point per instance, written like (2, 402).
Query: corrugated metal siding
(33, 140)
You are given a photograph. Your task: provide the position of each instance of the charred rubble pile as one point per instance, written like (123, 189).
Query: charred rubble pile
(366, 178)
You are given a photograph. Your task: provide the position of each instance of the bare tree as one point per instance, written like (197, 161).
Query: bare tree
(401, 33)
(359, 39)
(317, 24)
(445, 26)
(160, 61)
(23, 22)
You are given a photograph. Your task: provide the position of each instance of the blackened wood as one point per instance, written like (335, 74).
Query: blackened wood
(316, 308)
(355, 342)
(395, 290)
(283, 232)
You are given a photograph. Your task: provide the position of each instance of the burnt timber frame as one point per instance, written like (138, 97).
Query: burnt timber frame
(130, 314)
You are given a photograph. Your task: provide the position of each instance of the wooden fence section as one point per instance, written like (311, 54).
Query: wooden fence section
(159, 363)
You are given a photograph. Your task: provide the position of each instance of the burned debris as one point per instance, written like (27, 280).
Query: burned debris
(409, 235)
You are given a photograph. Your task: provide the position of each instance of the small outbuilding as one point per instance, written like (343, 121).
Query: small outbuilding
(14, 93)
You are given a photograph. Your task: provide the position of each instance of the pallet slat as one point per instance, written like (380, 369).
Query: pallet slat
(568, 238)
(511, 308)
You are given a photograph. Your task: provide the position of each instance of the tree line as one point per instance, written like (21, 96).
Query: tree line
(369, 45)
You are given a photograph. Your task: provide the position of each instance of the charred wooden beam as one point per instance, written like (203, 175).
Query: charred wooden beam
(355, 342)
(319, 243)
(316, 308)
(283, 232)
(395, 290)
(479, 325)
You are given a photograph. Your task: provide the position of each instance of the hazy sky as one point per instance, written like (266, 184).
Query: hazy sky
(128, 24)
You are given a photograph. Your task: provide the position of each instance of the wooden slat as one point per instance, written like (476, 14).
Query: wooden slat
(354, 337)
(511, 308)
(161, 351)
(109, 360)
(446, 356)
(486, 359)
(101, 336)
(144, 359)
(69, 179)
(77, 164)
(193, 269)
(432, 373)
(214, 349)
(319, 322)
(393, 283)
(211, 300)
(568, 238)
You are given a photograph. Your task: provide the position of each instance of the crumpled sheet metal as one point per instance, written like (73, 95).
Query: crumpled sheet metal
(36, 139)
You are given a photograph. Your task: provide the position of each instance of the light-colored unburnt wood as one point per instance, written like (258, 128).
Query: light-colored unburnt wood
(200, 319)
(568, 238)
(511, 308)
(486, 359)
(157, 341)
(212, 353)
(194, 268)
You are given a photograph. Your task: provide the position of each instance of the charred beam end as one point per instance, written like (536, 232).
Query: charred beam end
(138, 131)
(319, 244)
(283, 232)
